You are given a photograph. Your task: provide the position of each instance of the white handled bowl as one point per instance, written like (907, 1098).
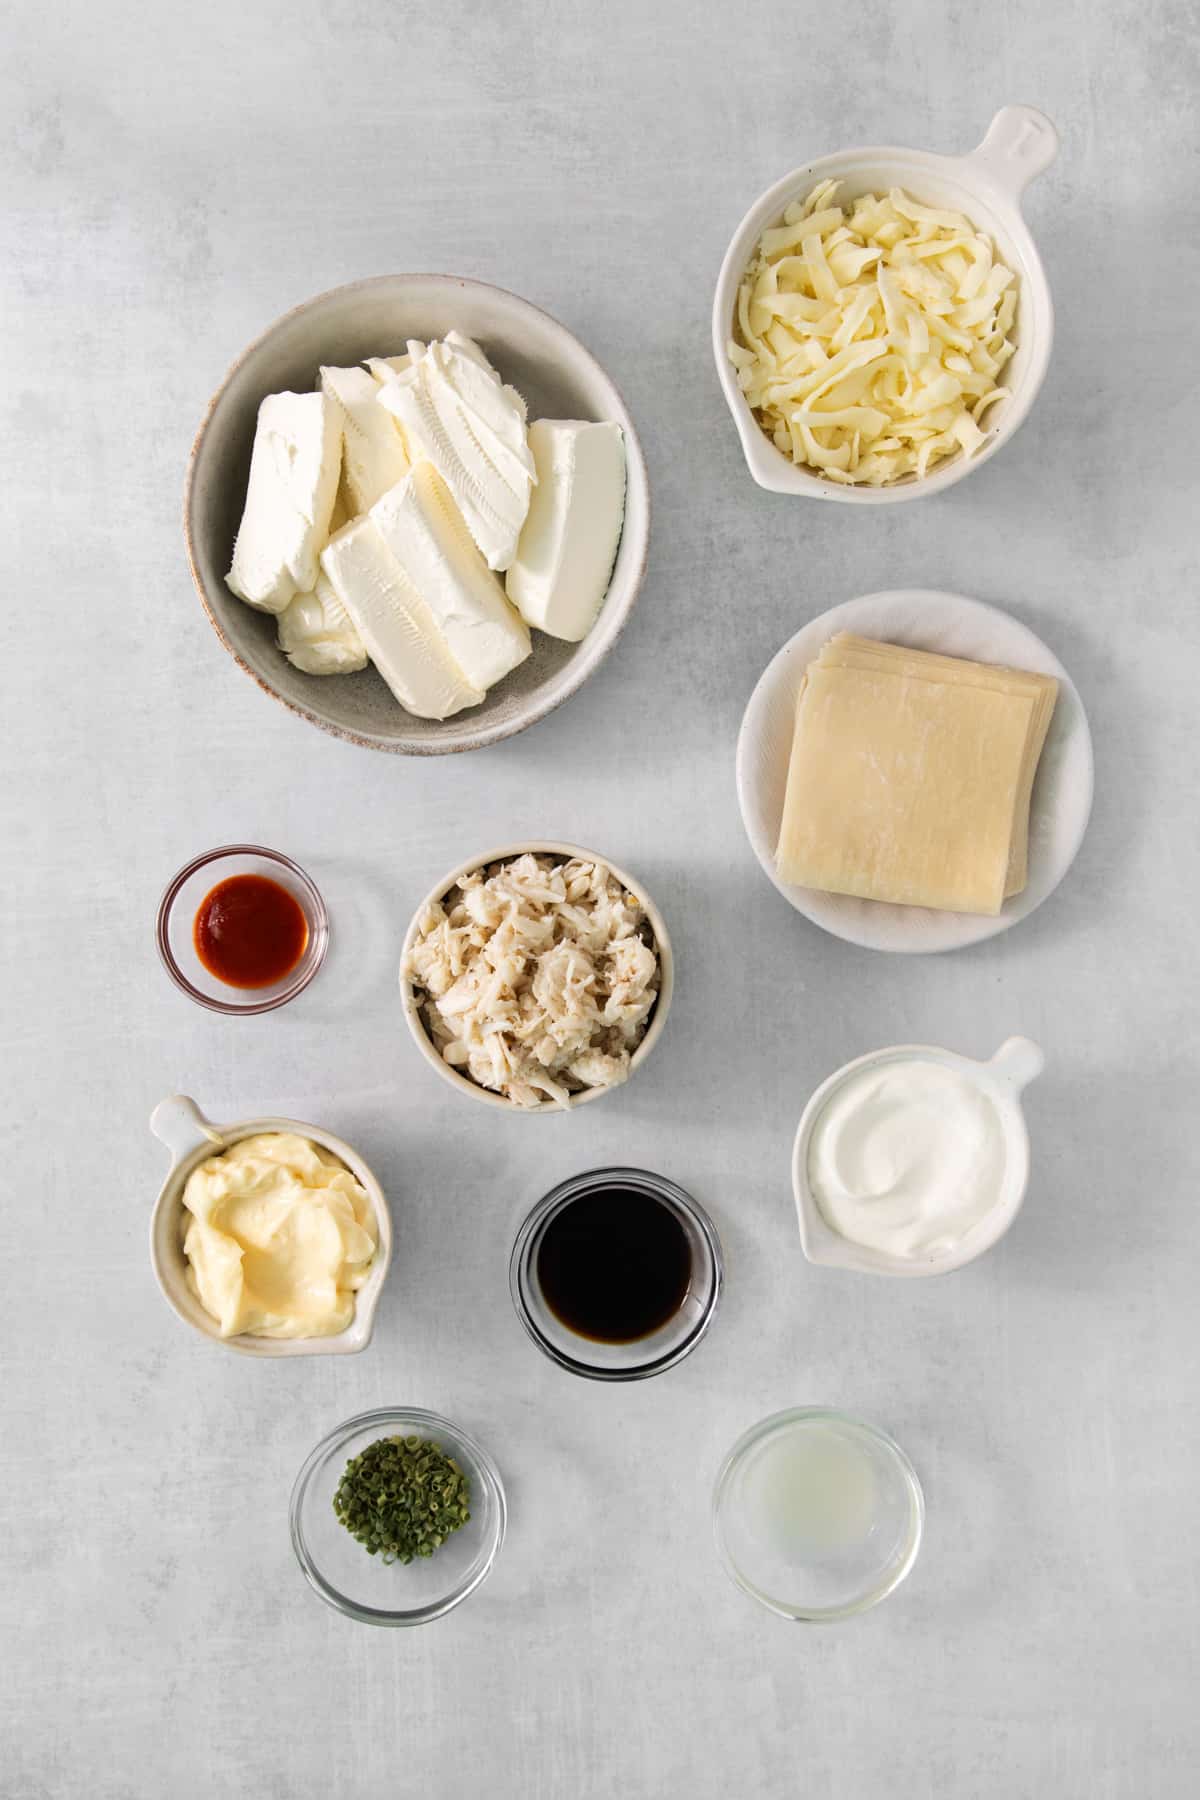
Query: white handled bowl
(190, 1137)
(987, 186)
(1016, 1063)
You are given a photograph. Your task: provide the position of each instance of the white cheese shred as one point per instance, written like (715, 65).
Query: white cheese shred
(870, 338)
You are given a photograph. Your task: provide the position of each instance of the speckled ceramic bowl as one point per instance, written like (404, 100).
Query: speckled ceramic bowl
(411, 997)
(559, 380)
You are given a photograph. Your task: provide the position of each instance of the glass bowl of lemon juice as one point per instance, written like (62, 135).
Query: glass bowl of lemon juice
(817, 1515)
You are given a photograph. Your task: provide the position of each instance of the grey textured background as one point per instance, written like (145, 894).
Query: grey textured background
(176, 177)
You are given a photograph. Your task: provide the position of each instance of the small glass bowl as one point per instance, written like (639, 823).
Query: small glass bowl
(845, 1505)
(363, 1586)
(174, 931)
(661, 1349)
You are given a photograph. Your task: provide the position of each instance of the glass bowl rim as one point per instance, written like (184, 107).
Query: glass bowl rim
(383, 1417)
(317, 918)
(663, 1189)
(732, 1460)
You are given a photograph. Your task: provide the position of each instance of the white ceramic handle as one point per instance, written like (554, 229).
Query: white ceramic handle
(1018, 1061)
(182, 1126)
(1020, 143)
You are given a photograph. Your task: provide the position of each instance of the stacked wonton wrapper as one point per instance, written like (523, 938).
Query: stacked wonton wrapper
(911, 776)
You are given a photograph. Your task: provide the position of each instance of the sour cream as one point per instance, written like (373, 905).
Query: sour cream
(906, 1157)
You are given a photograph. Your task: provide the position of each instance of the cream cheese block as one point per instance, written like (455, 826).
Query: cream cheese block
(395, 624)
(569, 540)
(386, 368)
(373, 454)
(294, 470)
(425, 534)
(317, 634)
(457, 414)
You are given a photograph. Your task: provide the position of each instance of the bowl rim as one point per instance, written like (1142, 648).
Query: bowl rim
(382, 1417)
(1002, 1077)
(663, 1189)
(791, 1415)
(658, 1018)
(358, 1334)
(977, 171)
(318, 924)
(635, 464)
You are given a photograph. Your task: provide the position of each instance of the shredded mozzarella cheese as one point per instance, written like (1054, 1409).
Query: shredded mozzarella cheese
(870, 337)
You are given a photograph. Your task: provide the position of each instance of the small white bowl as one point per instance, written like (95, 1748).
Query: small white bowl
(558, 379)
(987, 186)
(191, 1137)
(411, 999)
(1016, 1063)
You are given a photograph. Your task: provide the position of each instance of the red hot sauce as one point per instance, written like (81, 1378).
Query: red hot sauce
(249, 931)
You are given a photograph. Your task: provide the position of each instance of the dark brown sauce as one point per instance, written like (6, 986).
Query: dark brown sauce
(249, 931)
(614, 1265)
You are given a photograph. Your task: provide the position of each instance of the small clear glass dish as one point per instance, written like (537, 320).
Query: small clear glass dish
(175, 928)
(637, 1358)
(817, 1516)
(363, 1586)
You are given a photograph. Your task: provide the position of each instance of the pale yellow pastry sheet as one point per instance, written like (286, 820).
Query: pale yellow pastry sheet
(846, 650)
(903, 788)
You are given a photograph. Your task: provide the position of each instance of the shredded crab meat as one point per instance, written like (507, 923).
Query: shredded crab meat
(537, 979)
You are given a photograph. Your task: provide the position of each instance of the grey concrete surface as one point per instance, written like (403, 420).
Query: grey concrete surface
(176, 177)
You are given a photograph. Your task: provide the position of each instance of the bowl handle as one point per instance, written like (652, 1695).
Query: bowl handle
(181, 1126)
(1020, 143)
(1017, 1062)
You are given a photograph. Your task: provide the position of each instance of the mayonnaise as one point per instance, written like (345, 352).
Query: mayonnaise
(281, 1235)
(907, 1156)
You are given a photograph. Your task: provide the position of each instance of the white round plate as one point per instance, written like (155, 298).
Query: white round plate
(951, 625)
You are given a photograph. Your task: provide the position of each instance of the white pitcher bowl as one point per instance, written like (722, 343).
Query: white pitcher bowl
(987, 186)
(190, 1137)
(1016, 1063)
